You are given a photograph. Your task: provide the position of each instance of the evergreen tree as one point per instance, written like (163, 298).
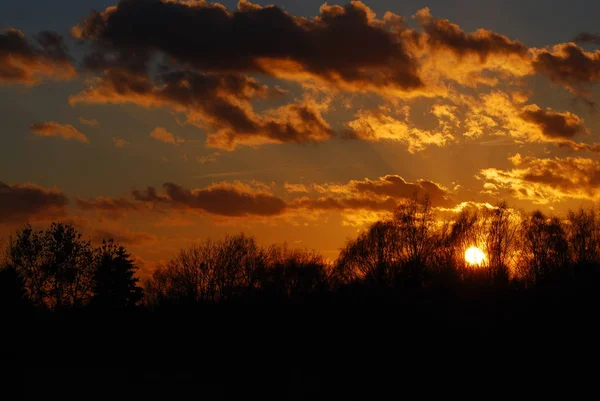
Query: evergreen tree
(114, 283)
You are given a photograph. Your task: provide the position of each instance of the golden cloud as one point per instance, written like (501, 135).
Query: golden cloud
(52, 128)
(548, 180)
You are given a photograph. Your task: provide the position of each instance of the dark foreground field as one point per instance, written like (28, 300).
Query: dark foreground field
(380, 349)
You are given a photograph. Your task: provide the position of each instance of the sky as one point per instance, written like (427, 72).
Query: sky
(165, 123)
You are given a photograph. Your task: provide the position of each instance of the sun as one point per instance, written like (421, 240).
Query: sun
(474, 256)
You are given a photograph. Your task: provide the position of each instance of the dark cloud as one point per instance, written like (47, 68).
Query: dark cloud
(345, 46)
(114, 207)
(587, 38)
(22, 202)
(21, 62)
(569, 65)
(383, 194)
(442, 33)
(396, 187)
(51, 128)
(219, 199)
(220, 103)
(555, 125)
(237, 199)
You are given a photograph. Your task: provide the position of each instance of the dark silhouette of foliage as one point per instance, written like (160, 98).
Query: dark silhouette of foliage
(56, 265)
(583, 236)
(545, 250)
(234, 267)
(115, 285)
(401, 289)
(12, 289)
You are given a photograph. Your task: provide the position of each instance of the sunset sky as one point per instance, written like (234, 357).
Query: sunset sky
(163, 123)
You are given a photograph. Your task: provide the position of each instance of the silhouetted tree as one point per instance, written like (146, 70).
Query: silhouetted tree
(448, 259)
(56, 265)
(235, 267)
(115, 284)
(374, 256)
(501, 240)
(418, 239)
(545, 250)
(294, 274)
(212, 271)
(583, 236)
(12, 289)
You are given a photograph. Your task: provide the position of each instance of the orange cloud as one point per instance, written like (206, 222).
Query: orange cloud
(91, 123)
(120, 142)
(114, 207)
(209, 159)
(291, 188)
(257, 199)
(51, 128)
(23, 63)
(396, 187)
(162, 135)
(376, 126)
(501, 114)
(482, 57)
(548, 180)
(219, 103)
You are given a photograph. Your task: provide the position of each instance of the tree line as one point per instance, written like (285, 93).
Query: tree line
(57, 268)
(412, 251)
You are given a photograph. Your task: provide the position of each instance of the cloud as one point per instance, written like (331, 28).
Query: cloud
(256, 199)
(255, 39)
(445, 51)
(397, 187)
(120, 142)
(219, 103)
(51, 128)
(114, 207)
(376, 126)
(22, 202)
(468, 205)
(444, 34)
(384, 191)
(345, 203)
(223, 199)
(554, 125)
(91, 123)
(500, 114)
(548, 180)
(23, 63)
(162, 135)
(292, 188)
(569, 65)
(364, 201)
(587, 38)
(209, 159)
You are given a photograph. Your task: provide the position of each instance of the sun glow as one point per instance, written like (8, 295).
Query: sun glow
(474, 256)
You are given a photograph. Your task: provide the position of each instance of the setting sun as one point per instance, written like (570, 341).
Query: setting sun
(474, 256)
